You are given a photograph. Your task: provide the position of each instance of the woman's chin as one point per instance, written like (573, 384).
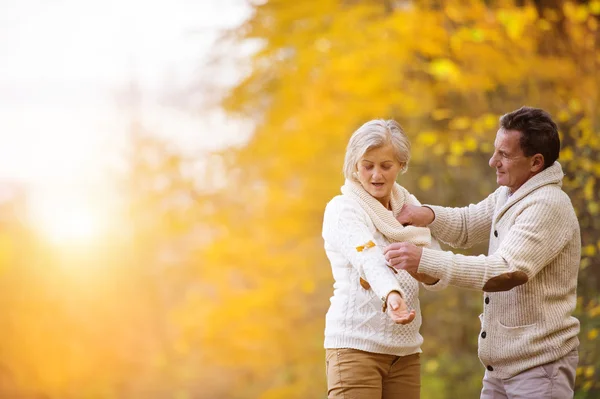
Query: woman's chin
(379, 193)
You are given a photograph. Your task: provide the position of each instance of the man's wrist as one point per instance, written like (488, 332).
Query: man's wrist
(430, 214)
(429, 280)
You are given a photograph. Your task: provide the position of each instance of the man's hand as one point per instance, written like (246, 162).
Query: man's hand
(397, 310)
(407, 256)
(403, 255)
(413, 215)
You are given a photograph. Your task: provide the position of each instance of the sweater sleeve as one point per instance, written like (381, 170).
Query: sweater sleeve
(345, 228)
(464, 227)
(435, 245)
(539, 234)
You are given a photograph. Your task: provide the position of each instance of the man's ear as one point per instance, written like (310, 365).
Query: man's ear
(537, 163)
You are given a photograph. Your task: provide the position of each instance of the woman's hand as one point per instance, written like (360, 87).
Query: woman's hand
(397, 309)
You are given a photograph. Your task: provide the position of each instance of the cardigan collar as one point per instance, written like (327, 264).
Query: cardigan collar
(551, 175)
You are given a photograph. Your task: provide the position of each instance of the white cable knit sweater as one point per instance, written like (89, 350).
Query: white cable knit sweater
(534, 247)
(355, 318)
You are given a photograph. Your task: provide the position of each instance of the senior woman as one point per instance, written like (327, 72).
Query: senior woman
(372, 337)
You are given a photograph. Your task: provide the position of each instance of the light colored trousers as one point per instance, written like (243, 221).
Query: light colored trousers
(554, 380)
(355, 374)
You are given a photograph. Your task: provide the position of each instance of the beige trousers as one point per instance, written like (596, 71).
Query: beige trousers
(355, 374)
(554, 380)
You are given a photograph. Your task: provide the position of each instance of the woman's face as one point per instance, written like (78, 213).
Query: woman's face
(377, 172)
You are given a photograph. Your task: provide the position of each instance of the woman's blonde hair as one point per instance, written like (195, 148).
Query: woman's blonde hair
(375, 134)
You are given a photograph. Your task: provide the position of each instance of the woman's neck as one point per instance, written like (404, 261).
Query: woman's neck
(386, 202)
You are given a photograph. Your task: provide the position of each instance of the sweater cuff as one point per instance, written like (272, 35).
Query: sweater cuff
(436, 264)
(440, 285)
(439, 218)
(384, 298)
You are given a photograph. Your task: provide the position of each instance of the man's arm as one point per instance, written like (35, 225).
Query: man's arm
(540, 232)
(464, 227)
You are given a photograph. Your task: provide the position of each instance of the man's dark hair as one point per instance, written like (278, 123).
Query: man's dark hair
(539, 133)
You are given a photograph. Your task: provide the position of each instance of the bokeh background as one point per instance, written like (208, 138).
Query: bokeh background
(164, 167)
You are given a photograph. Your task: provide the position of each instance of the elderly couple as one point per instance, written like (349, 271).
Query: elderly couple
(380, 242)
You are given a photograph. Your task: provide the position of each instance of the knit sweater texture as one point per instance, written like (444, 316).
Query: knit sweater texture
(355, 318)
(532, 265)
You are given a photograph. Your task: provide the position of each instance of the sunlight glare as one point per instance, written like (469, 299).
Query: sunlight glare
(74, 223)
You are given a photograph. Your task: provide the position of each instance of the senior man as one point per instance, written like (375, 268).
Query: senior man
(528, 339)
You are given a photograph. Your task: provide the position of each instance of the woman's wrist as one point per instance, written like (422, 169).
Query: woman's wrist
(391, 295)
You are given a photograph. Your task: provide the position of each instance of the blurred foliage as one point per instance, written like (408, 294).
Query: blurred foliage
(446, 70)
(216, 286)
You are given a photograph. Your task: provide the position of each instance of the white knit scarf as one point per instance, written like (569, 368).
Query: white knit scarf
(384, 220)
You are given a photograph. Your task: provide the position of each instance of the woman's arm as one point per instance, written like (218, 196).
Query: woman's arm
(345, 227)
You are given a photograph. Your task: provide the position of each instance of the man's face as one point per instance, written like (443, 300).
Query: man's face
(513, 168)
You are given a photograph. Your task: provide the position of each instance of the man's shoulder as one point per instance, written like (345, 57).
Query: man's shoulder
(554, 200)
(551, 194)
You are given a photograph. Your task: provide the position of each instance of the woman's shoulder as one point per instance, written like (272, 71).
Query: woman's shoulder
(340, 202)
(344, 207)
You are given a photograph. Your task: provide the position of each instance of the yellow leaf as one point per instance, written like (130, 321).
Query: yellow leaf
(431, 366)
(593, 334)
(444, 69)
(427, 138)
(490, 121)
(460, 123)
(566, 154)
(425, 182)
(593, 207)
(574, 105)
(456, 148)
(594, 312)
(584, 263)
(453, 160)
(441, 113)
(439, 149)
(470, 144)
(589, 371)
(544, 25)
(588, 190)
(589, 250)
(369, 244)
(563, 116)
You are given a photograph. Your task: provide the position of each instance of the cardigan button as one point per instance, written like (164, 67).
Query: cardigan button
(487, 300)
(490, 368)
(495, 233)
(483, 334)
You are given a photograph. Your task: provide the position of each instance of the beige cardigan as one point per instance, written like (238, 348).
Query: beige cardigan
(529, 276)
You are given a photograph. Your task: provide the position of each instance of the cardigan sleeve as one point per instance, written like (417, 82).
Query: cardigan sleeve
(540, 232)
(435, 245)
(464, 227)
(345, 227)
